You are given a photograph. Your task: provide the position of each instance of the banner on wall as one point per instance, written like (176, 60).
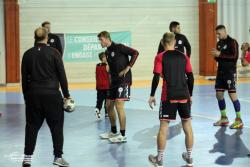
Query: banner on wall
(86, 47)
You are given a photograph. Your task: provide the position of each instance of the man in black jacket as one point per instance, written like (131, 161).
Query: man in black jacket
(53, 40)
(181, 40)
(120, 60)
(226, 54)
(42, 74)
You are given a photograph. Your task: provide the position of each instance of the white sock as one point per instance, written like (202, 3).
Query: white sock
(160, 155)
(27, 158)
(189, 153)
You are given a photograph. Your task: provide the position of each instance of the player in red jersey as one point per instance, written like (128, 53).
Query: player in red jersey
(174, 66)
(245, 58)
(102, 84)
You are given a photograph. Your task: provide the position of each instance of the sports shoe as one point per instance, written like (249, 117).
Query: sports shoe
(154, 161)
(238, 124)
(118, 139)
(97, 113)
(222, 122)
(189, 161)
(26, 164)
(108, 135)
(60, 162)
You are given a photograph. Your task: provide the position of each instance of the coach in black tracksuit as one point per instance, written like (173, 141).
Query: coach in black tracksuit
(53, 40)
(181, 40)
(42, 74)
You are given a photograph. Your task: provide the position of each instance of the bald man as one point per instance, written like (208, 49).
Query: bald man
(42, 73)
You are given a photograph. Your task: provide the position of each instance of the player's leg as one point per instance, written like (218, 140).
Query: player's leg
(112, 114)
(189, 140)
(121, 138)
(105, 102)
(232, 78)
(98, 104)
(222, 106)
(167, 112)
(238, 124)
(54, 115)
(220, 87)
(122, 95)
(34, 121)
(119, 105)
(184, 112)
(102, 99)
(110, 104)
(161, 144)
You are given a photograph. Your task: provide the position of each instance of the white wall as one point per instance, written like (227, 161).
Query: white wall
(146, 19)
(2, 46)
(235, 15)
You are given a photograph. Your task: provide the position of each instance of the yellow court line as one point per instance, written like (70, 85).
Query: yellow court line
(136, 84)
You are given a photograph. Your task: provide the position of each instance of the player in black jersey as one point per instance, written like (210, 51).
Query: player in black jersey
(53, 40)
(120, 60)
(173, 66)
(226, 54)
(181, 40)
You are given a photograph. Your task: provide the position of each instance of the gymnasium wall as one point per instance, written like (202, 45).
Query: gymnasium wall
(235, 16)
(146, 19)
(2, 46)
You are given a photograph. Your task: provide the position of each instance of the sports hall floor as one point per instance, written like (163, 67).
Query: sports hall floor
(213, 147)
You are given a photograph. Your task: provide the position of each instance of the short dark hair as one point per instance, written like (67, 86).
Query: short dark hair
(44, 23)
(101, 55)
(104, 34)
(173, 24)
(40, 34)
(220, 27)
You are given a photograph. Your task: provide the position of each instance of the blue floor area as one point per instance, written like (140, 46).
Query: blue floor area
(213, 147)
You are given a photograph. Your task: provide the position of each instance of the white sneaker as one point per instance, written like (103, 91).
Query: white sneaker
(60, 162)
(189, 161)
(154, 161)
(118, 139)
(97, 113)
(108, 135)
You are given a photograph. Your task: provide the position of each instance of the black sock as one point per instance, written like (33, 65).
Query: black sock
(122, 132)
(113, 129)
(58, 156)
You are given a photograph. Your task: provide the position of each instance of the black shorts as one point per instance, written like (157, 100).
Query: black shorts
(120, 92)
(226, 82)
(168, 110)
